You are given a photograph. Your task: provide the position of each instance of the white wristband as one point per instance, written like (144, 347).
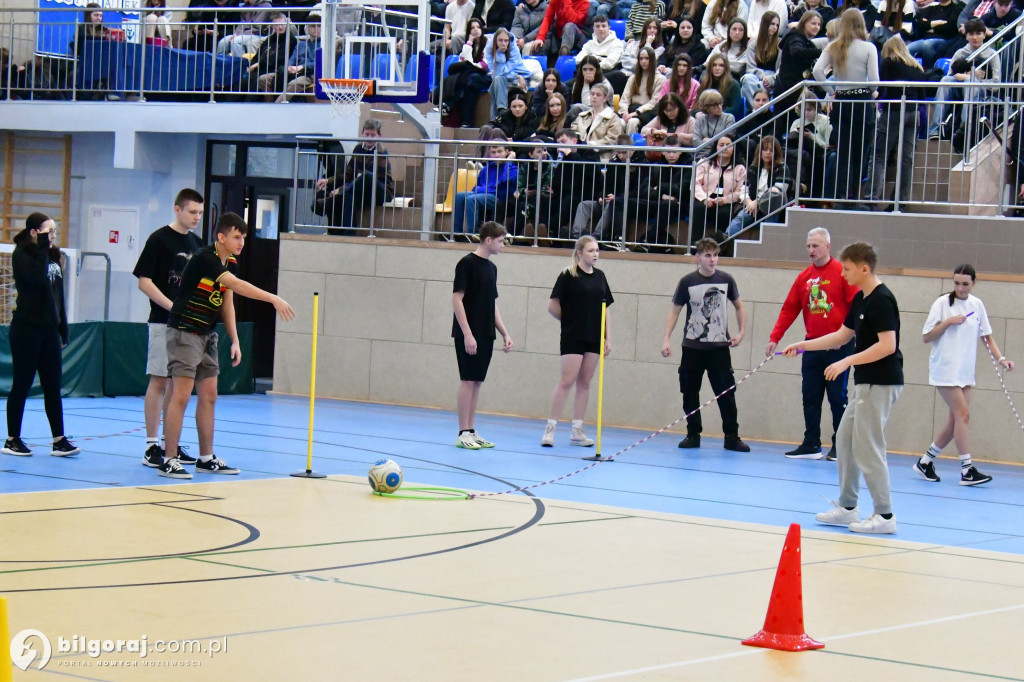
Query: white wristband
(1001, 359)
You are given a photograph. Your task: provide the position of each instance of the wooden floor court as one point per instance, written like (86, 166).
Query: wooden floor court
(649, 568)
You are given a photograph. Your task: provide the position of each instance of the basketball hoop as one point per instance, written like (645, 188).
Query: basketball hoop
(346, 94)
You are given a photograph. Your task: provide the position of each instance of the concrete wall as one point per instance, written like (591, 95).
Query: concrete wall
(385, 323)
(991, 244)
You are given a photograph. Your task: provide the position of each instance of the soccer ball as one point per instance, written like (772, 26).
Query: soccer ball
(385, 476)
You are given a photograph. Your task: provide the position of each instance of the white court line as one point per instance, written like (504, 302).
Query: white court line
(749, 652)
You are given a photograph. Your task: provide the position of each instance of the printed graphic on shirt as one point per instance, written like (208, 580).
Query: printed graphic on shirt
(178, 263)
(817, 299)
(53, 272)
(708, 314)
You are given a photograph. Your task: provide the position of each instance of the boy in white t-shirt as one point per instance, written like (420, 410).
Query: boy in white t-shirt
(954, 323)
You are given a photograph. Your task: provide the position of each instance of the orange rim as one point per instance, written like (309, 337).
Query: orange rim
(349, 82)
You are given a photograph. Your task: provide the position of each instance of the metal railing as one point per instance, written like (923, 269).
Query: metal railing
(53, 54)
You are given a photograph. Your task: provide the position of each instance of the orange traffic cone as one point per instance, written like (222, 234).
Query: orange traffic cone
(784, 624)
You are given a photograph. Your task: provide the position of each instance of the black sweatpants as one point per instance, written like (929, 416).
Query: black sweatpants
(717, 362)
(34, 349)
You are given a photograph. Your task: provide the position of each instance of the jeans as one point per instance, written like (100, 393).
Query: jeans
(607, 9)
(887, 137)
(749, 84)
(947, 94)
(928, 49)
(814, 388)
(743, 220)
(499, 92)
(717, 362)
(468, 207)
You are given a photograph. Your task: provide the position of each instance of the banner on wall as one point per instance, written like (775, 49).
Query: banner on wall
(56, 35)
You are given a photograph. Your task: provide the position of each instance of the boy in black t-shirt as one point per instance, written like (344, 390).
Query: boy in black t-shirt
(474, 300)
(158, 270)
(706, 343)
(874, 319)
(205, 297)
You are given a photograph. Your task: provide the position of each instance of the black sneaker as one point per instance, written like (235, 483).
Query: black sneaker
(831, 456)
(927, 471)
(17, 447)
(973, 477)
(64, 448)
(690, 442)
(736, 444)
(154, 457)
(172, 469)
(804, 451)
(214, 466)
(184, 457)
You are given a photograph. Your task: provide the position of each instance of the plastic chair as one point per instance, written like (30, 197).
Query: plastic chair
(566, 66)
(354, 61)
(448, 61)
(540, 58)
(639, 140)
(410, 70)
(618, 27)
(461, 181)
(943, 64)
(380, 69)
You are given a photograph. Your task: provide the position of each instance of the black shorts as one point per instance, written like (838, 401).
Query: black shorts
(574, 347)
(473, 367)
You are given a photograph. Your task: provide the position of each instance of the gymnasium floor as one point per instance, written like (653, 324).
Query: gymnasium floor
(651, 567)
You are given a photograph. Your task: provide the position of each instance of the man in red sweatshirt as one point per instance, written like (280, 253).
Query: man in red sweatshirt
(570, 30)
(823, 296)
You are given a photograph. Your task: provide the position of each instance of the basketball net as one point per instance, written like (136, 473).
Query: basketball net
(345, 95)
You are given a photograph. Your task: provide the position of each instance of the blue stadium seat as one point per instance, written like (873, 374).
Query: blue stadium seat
(448, 61)
(566, 66)
(639, 140)
(380, 69)
(540, 58)
(354, 61)
(943, 64)
(410, 71)
(920, 61)
(618, 28)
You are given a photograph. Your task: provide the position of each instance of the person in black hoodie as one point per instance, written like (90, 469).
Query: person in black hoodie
(797, 55)
(39, 329)
(499, 14)
(517, 122)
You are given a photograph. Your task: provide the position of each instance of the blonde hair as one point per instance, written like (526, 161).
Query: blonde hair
(895, 48)
(709, 98)
(581, 243)
(851, 28)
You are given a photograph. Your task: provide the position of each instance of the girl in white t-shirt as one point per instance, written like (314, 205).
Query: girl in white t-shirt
(954, 323)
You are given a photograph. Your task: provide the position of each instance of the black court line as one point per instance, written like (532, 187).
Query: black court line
(253, 535)
(59, 478)
(539, 511)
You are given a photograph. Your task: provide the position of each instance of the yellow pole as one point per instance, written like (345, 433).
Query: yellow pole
(309, 473)
(600, 378)
(6, 665)
(312, 383)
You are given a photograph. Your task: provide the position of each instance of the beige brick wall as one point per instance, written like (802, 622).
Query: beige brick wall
(385, 324)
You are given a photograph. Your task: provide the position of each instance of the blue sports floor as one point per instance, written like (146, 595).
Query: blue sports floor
(266, 437)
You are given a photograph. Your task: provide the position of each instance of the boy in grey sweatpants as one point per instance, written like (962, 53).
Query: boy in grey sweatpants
(874, 319)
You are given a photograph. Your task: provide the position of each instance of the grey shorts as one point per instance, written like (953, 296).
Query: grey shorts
(156, 360)
(192, 355)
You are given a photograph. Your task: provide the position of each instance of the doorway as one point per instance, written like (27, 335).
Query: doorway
(254, 180)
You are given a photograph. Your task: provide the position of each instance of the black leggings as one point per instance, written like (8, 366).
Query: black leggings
(34, 349)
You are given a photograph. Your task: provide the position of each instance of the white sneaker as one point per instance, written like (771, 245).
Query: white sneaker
(548, 439)
(839, 516)
(874, 524)
(579, 438)
(468, 441)
(481, 441)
